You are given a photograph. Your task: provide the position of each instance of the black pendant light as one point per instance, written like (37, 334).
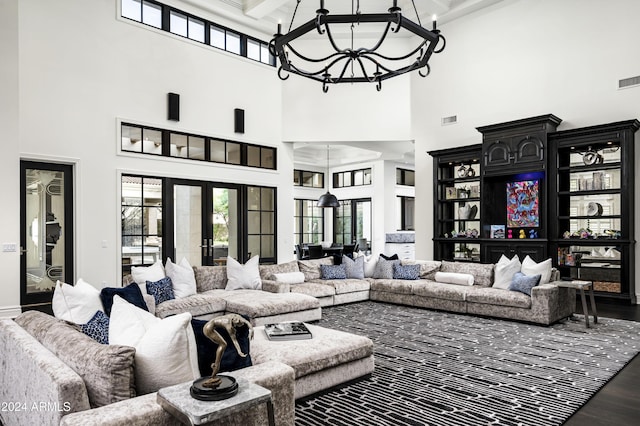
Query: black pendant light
(328, 199)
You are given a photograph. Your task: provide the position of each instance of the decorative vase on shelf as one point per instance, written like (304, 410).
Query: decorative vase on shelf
(467, 212)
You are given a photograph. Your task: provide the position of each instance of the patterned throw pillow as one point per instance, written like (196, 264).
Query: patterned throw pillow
(97, 328)
(406, 272)
(355, 267)
(524, 283)
(384, 268)
(161, 290)
(333, 272)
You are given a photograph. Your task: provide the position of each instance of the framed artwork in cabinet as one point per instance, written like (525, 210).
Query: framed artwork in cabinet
(523, 204)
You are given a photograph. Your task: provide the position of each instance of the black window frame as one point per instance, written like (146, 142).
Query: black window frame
(166, 11)
(403, 213)
(166, 147)
(299, 173)
(402, 177)
(340, 179)
(298, 237)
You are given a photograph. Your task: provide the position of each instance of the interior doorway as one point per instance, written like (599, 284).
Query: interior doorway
(46, 238)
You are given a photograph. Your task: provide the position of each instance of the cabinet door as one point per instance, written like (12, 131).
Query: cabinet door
(492, 252)
(497, 154)
(528, 150)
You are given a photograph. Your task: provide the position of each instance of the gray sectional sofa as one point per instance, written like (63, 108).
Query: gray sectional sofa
(547, 304)
(71, 372)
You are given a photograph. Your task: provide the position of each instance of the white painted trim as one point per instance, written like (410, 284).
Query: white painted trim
(10, 311)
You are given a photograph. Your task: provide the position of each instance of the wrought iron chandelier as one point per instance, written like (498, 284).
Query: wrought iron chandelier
(350, 64)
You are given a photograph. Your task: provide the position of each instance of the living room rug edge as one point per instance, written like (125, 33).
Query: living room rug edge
(439, 368)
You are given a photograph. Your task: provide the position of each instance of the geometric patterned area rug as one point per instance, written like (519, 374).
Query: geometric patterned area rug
(442, 369)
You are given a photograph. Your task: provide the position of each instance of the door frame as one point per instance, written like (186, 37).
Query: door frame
(45, 297)
(168, 246)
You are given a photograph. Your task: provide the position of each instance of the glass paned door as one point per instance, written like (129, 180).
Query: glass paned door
(224, 226)
(47, 230)
(205, 222)
(189, 240)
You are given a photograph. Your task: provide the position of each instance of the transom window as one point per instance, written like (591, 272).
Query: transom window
(405, 177)
(153, 141)
(178, 22)
(309, 179)
(352, 178)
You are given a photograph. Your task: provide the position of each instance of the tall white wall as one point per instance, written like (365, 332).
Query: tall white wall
(82, 69)
(518, 59)
(346, 112)
(10, 166)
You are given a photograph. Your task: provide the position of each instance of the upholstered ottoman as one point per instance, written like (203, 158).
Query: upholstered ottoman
(330, 358)
(265, 308)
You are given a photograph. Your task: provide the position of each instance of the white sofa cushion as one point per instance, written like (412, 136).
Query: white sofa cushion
(78, 303)
(183, 280)
(245, 276)
(505, 270)
(530, 267)
(142, 274)
(166, 352)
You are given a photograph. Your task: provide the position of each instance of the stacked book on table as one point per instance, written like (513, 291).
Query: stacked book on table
(290, 330)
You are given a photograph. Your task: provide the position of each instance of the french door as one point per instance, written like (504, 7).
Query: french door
(204, 222)
(46, 223)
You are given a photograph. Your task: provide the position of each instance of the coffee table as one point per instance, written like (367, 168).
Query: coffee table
(190, 411)
(582, 285)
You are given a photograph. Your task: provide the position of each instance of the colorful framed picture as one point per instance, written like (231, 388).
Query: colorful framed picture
(497, 231)
(523, 204)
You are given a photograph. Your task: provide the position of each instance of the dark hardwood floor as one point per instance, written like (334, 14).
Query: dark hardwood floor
(618, 402)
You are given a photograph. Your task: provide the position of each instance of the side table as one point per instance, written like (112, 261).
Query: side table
(581, 285)
(190, 411)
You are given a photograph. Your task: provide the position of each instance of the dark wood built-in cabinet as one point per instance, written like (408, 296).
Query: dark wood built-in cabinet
(583, 181)
(594, 171)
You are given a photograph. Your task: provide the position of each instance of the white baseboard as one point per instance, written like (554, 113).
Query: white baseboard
(10, 311)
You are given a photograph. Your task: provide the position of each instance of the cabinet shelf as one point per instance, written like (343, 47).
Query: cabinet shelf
(611, 216)
(461, 200)
(460, 180)
(594, 168)
(590, 192)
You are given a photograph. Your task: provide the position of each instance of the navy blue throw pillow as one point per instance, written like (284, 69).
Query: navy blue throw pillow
(406, 272)
(130, 293)
(161, 290)
(333, 272)
(524, 283)
(97, 328)
(392, 257)
(230, 359)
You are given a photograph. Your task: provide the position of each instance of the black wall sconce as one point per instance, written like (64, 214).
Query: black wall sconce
(173, 104)
(238, 120)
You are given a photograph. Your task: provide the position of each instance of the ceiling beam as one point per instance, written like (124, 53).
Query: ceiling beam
(258, 9)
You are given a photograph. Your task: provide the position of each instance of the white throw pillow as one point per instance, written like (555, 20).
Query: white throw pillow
(166, 351)
(183, 278)
(245, 276)
(289, 277)
(370, 263)
(78, 303)
(530, 267)
(142, 274)
(454, 278)
(505, 271)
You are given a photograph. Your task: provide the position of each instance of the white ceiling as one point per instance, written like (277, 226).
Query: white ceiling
(264, 15)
